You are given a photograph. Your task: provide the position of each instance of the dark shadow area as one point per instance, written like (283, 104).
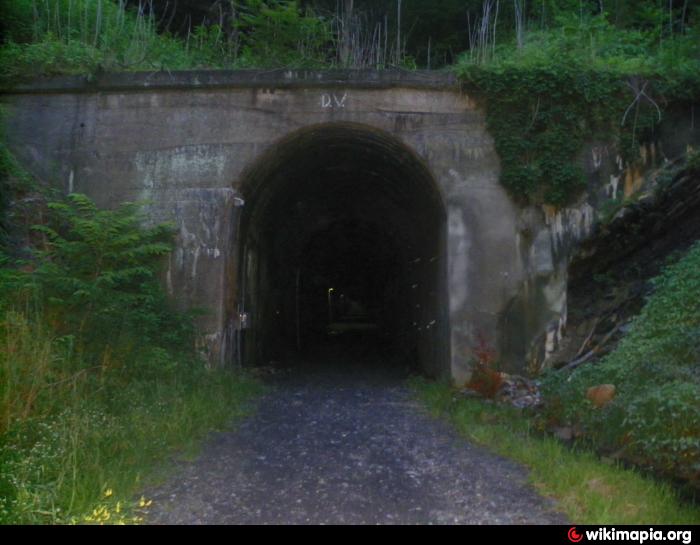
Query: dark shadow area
(342, 254)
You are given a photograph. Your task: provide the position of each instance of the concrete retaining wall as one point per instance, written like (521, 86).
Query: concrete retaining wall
(184, 142)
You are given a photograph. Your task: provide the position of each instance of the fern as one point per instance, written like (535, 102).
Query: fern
(96, 276)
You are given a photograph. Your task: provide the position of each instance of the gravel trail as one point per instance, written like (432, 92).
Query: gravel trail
(329, 449)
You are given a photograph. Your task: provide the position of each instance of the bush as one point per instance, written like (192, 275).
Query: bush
(654, 417)
(14, 182)
(662, 428)
(575, 83)
(96, 275)
(89, 298)
(48, 57)
(84, 37)
(279, 34)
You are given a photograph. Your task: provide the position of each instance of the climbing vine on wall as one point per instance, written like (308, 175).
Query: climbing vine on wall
(541, 117)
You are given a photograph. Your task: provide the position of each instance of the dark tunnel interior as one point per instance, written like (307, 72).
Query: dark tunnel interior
(342, 254)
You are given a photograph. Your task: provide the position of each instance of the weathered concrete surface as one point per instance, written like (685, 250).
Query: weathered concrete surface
(186, 141)
(254, 79)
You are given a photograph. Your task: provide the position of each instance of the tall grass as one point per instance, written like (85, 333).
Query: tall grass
(85, 36)
(27, 369)
(588, 490)
(47, 37)
(67, 436)
(100, 382)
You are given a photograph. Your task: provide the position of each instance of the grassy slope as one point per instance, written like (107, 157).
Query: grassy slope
(654, 419)
(589, 491)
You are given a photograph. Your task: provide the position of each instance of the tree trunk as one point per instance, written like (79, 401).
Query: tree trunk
(346, 39)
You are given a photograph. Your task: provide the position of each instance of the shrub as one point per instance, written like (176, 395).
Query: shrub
(97, 274)
(279, 34)
(661, 427)
(90, 297)
(578, 82)
(654, 417)
(89, 36)
(84, 37)
(14, 182)
(485, 379)
(99, 379)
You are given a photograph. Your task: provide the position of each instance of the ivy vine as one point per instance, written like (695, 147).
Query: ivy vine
(541, 117)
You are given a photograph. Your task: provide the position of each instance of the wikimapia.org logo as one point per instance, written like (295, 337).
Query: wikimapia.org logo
(574, 536)
(638, 536)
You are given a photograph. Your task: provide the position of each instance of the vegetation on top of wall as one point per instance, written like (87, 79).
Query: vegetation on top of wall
(90, 36)
(552, 75)
(82, 37)
(280, 34)
(549, 92)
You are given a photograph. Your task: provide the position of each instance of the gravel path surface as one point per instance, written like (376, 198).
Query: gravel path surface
(322, 448)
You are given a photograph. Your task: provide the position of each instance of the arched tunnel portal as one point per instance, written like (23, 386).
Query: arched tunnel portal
(342, 248)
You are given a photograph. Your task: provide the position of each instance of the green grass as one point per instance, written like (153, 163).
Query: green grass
(87, 37)
(94, 443)
(588, 490)
(101, 384)
(653, 420)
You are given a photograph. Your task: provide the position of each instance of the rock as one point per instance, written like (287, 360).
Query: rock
(519, 392)
(601, 395)
(565, 433)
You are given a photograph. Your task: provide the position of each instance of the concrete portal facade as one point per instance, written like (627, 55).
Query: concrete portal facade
(193, 145)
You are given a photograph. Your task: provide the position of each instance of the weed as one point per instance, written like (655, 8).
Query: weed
(588, 490)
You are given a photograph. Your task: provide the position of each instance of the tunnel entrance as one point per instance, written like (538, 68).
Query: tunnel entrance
(342, 254)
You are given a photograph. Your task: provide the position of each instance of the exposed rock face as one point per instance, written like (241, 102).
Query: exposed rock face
(609, 275)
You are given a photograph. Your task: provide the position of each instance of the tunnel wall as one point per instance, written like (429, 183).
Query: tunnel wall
(183, 142)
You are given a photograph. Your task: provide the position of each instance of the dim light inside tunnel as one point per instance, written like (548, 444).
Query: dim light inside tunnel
(342, 244)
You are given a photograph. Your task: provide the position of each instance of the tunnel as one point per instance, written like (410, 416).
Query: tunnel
(341, 254)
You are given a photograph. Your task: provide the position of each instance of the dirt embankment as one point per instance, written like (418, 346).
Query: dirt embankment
(609, 278)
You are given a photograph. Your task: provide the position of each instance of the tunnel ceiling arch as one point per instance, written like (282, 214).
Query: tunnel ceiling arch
(347, 205)
(347, 144)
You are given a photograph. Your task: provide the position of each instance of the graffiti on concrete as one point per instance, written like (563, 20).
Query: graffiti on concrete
(333, 101)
